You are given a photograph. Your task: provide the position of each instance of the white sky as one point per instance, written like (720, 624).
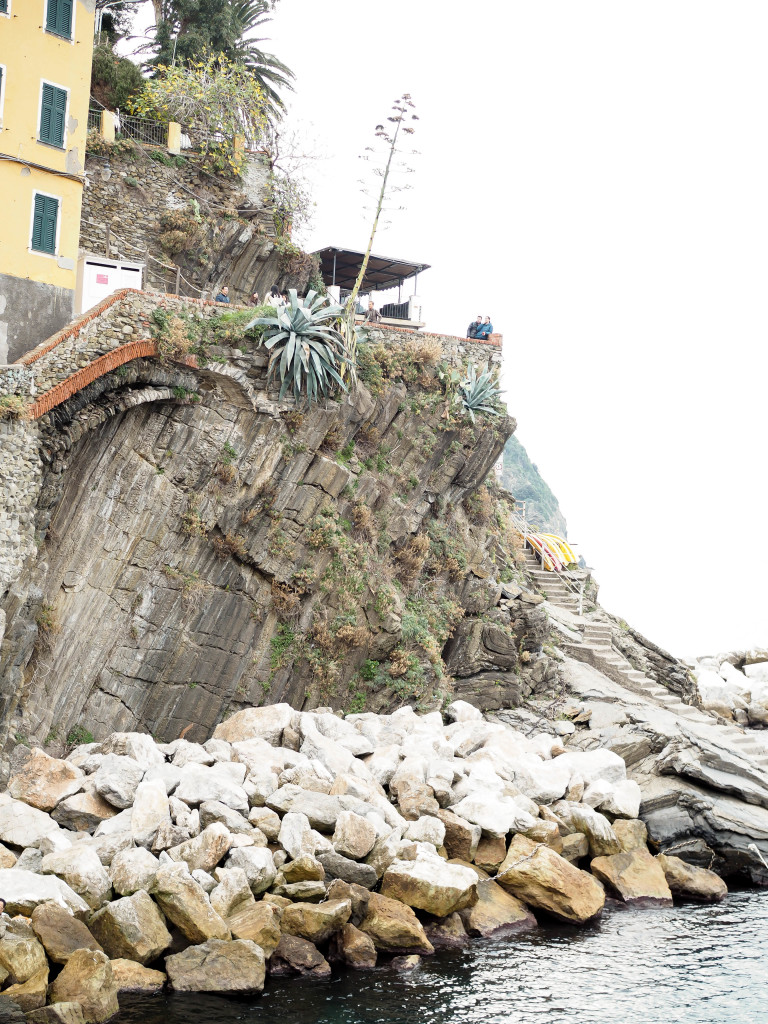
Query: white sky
(594, 175)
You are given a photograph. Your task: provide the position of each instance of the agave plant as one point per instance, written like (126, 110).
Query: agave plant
(476, 393)
(307, 349)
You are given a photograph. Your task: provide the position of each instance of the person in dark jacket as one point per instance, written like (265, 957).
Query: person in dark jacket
(223, 295)
(485, 329)
(474, 327)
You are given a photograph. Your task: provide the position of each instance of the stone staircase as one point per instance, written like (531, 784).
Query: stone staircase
(596, 650)
(549, 583)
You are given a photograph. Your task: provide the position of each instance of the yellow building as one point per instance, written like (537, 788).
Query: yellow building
(45, 74)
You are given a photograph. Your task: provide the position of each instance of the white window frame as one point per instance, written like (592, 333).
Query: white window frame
(7, 14)
(63, 39)
(3, 76)
(68, 91)
(49, 195)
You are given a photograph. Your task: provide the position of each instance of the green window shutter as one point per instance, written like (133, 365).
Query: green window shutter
(52, 112)
(59, 18)
(44, 224)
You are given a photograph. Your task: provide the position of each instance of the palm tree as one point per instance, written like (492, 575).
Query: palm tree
(271, 74)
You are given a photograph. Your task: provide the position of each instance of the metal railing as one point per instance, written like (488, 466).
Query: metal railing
(576, 585)
(94, 119)
(142, 129)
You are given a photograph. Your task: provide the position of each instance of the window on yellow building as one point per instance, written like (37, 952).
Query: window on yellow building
(45, 218)
(53, 111)
(59, 18)
(3, 6)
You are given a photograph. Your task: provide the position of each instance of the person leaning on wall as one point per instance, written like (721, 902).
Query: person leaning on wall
(474, 327)
(485, 330)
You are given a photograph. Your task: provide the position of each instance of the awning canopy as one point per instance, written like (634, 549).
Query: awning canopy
(341, 267)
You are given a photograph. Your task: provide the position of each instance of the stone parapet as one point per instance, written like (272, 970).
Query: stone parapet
(455, 350)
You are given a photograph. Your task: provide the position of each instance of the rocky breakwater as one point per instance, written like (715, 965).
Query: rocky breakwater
(291, 841)
(734, 686)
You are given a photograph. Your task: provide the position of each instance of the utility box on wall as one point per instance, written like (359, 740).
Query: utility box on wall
(98, 277)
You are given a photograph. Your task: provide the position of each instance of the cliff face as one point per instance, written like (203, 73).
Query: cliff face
(198, 556)
(171, 213)
(521, 477)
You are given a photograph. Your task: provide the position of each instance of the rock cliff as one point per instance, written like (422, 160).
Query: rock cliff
(203, 547)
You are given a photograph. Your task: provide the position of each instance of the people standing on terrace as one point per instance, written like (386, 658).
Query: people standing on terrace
(474, 327)
(485, 330)
(372, 314)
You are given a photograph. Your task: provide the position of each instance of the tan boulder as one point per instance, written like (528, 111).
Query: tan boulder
(356, 894)
(83, 812)
(87, 979)
(543, 879)
(260, 923)
(218, 965)
(394, 927)
(131, 928)
(21, 954)
(60, 933)
(416, 799)
(44, 781)
(545, 832)
(316, 921)
(24, 890)
(305, 868)
(32, 993)
(490, 852)
(295, 955)
(233, 892)
(57, 1013)
(132, 977)
(184, 903)
(497, 913)
(431, 884)
(133, 869)
(7, 857)
(203, 852)
(265, 723)
(446, 932)
(691, 882)
(83, 872)
(575, 847)
(354, 836)
(594, 825)
(636, 877)
(461, 836)
(22, 825)
(631, 834)
(355, 948)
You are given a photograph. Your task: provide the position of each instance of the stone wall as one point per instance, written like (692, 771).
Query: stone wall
(455, 350)
(129, 191)
(20, 474)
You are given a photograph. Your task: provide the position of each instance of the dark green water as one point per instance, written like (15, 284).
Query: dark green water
(685, 965)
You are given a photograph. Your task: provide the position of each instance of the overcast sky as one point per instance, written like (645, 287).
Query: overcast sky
(594, 176)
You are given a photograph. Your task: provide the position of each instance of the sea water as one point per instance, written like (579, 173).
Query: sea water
(687, 964)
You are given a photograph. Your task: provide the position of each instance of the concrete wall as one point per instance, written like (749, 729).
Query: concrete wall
(30, 312)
